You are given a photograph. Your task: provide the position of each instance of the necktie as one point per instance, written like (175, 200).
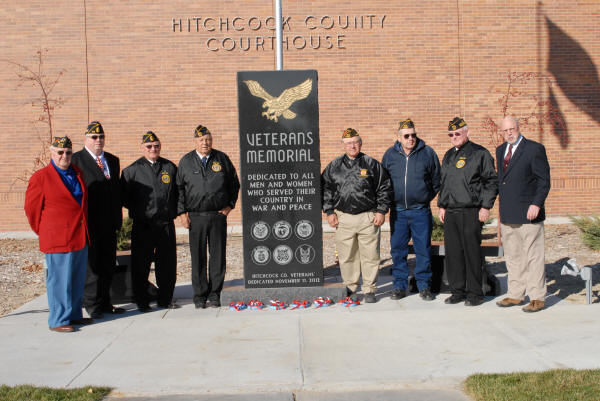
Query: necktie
(508, 156)
(204, 160)
(101, 165)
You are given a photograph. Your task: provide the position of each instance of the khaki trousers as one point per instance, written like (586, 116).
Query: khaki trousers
(357, 240)
(524, 254)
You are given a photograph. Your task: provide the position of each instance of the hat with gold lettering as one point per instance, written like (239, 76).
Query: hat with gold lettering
(456, 123)
(62, 142)
(149, 137)
(408, 123)
(200, 131)
(94, 128)
(349, 133)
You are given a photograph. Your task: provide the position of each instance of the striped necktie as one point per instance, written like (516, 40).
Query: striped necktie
(101, 165)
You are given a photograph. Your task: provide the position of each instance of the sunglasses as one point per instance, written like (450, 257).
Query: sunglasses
(455, 134)
(152, 146)
(62, 152)
(95, 137)
(413, 135)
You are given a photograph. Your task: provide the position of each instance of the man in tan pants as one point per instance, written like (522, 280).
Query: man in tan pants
(357, 193)
(523, 183)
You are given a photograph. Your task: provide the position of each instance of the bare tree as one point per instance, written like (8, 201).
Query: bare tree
(44, 103)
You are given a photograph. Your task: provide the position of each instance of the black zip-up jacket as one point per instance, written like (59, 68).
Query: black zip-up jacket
(149, 190)
(415, 177)
(356, 186)
(469, 179)
(206, 189)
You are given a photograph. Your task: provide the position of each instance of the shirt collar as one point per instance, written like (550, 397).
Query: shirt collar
(93, 154)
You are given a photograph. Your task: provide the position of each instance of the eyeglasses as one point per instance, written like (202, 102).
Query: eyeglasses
(454, 134)
(95, 137)
(149, 146)
(350, 144)
(62, 152)
(511, 129)
(413, 135)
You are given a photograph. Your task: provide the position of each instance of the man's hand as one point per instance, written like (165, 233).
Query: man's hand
(442, 214)
(533, 212)
(184, 219)
(225, 210)
(378, 219)
(484, 214)
(332, 220)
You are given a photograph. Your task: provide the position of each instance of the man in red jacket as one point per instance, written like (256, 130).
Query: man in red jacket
(56, 207)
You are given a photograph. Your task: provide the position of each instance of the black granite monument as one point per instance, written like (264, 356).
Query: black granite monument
(280, 175)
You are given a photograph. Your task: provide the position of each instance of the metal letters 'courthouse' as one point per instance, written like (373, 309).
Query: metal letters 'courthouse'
(280, 171)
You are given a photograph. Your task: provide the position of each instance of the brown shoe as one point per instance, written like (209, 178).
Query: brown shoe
(63, 329)
(82, 321)
(534, 306)
(506, 302)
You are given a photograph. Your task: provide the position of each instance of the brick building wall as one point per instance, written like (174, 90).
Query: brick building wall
(379, 61)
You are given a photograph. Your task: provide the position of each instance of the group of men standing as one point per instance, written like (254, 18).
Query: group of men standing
(75, 206)
(358, 191)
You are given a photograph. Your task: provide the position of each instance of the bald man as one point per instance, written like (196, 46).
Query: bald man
(524, 184)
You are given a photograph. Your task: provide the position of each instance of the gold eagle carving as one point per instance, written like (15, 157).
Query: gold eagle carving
(280, 106)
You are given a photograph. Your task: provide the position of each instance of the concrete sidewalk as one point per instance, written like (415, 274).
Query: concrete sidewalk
(408, 347)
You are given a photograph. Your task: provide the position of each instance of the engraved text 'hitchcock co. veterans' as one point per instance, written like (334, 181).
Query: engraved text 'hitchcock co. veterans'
(323, 27)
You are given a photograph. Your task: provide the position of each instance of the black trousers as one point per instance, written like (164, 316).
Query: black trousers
(153, 240)
(102, 259)
(208, 232)
(462, 241)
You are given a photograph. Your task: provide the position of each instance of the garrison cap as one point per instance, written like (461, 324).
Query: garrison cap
(62, 142)
(94, 128)
(408, 123)
(456, 123)
(149, 137)
(349, 133)
(200, 131)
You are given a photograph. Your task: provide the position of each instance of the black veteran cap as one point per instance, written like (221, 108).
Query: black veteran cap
(94, 128)
(149, 137)
(62, 142)
(456, 123)
(349, 133)
(408, 123)
(200, 131)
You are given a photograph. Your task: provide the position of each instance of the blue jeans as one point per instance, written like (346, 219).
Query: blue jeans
(404, 224)
(64, 286)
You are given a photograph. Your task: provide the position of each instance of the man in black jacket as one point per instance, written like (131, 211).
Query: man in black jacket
(415, 172)
(524, 183)
(468, 190)
(101, 175)
(357, 193)
(208, 189)
(150, 193)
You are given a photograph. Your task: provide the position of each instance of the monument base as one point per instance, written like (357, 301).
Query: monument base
(236, 292)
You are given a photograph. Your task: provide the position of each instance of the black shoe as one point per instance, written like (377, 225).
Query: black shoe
(144, 308)
(170, 305)
(96, 314)
(351, 294)
(201, 304)
(398, 294)
(113, 310)
(454, 299)
(474, 301)
(214, 303)
(370, 298)
(426, 295)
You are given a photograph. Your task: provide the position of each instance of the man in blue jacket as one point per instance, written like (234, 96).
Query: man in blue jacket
(415, 172)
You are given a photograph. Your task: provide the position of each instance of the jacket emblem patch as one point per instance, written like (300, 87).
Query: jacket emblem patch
(460, 164)
(216, 167)
(165, 178)
(364, 172)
